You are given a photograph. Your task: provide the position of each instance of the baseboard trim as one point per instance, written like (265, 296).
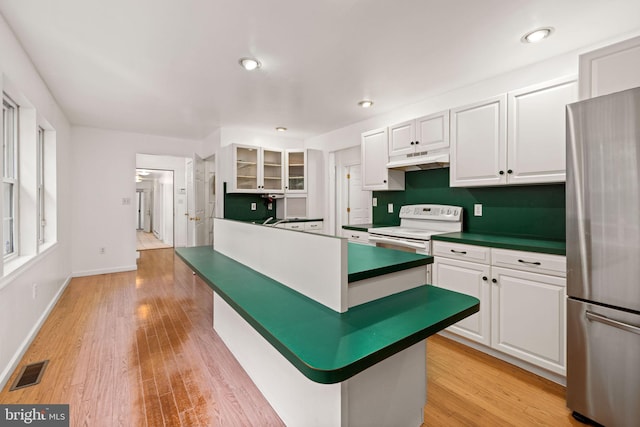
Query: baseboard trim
(6, 374)
(83, 273)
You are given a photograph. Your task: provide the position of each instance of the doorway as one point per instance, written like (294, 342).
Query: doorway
(352, 203)
(154, 191)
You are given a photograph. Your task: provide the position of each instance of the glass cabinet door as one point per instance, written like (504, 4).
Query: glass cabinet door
(296, 171)
(272, 170)
(246, 168)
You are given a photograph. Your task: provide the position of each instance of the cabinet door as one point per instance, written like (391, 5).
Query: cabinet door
(471, 279)
(375, 175)
(272, 171)
(528, 319)
(478, 144)
(246, 169)
(402, 138)
(296, 169)
(610, 69)
(432, 132)
(537, 132)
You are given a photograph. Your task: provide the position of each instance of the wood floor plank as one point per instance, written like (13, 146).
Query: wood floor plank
(138, 348)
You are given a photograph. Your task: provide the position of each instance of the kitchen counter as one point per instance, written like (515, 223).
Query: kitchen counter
(556, 247)
(324, 345)
(365, 261)
(284, 220)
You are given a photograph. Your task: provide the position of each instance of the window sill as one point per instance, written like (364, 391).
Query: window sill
(17, 265)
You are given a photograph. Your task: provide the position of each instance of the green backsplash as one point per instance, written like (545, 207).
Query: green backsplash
(238, 206)
(527, 211)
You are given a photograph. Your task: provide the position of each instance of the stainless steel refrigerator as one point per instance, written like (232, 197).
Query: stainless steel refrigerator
(603, 259)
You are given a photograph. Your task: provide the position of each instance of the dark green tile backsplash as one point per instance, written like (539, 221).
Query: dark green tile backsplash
(527, 211)
(238, 206)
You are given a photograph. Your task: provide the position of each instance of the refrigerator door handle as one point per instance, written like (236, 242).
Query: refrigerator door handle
(615, 323)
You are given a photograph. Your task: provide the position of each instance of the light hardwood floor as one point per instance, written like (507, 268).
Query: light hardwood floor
(146, 241)
(137, 348)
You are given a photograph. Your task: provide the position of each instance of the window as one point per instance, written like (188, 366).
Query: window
(41, 190)
(9, 176)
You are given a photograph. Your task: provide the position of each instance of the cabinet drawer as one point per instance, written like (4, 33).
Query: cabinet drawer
(356, 236)
(294, 226)
(313, 226)
(473, 253)
(555, 265)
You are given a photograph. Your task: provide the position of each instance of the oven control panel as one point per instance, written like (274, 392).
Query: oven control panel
(432, 212)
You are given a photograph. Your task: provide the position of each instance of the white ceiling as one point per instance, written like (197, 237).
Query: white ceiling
(171, 67)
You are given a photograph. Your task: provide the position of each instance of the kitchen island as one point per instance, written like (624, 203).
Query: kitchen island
(320, 355)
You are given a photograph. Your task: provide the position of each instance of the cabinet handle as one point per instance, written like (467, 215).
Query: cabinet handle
(412, 143)
(385, 181)
(417, 142)
(355, 237)
(501, 172)
(459, 252)
(484, 278)
(529, 262)
(494, 281)
(509, 171)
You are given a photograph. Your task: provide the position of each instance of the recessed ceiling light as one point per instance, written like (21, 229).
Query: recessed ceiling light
(365, 103)
(537, 35)
(281, 129)
(249, 63)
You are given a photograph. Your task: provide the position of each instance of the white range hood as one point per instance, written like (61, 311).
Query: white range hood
(414, 162)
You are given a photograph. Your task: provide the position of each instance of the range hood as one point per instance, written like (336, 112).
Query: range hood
(420, 162)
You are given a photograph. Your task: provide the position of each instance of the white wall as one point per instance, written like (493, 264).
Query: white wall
(21, 315)
(103, 171)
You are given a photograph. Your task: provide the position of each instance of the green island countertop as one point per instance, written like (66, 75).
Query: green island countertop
(366, 261)
(326, 346)
(556, 247)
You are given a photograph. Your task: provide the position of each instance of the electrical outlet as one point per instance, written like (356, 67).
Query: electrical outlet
(390, 208)
(477, 209)
(35, 290)
(270, 206)
(126, 201)
(253, 206)
(101, 251)
(374, 202)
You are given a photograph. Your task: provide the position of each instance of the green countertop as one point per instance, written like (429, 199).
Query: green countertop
(366, 261)
(556, 247)
(324, 345)
(358, 227)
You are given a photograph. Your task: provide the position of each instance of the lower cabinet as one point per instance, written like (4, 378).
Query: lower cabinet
(522, 300)
(356, 236)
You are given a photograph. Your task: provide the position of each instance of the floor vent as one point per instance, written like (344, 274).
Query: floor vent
(30, 375)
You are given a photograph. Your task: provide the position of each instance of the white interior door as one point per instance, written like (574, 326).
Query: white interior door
(358, 201)
(195, 176)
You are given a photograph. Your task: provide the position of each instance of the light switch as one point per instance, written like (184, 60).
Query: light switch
(390, 208)
(477, 209)
(374, 202)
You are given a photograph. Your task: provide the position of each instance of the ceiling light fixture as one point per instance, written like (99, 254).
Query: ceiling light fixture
(249, 63)
(281, 129)
(537, 35)
(365, 103)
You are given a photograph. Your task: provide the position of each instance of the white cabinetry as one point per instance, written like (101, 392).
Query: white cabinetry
(478, 143)
(522, 300)
(420, 135)
(610, 69)
(356, 236)
(375, 156)
(517, 138)
(256, 170)
(296, 171)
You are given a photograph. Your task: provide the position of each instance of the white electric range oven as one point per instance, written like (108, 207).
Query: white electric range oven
(417, 224)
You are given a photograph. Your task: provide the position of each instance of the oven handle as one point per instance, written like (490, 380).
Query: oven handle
(402, 243)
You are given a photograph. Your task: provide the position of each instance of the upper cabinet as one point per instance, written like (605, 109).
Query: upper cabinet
(517, 138)
(478, 143)
(610, 69)
(375, 156)
(296, 171)
(257, 170)
(417, 136)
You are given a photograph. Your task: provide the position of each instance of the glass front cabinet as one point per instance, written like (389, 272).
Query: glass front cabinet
(296, 171)
(257, 170)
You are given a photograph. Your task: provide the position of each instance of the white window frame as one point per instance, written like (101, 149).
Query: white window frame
(10, 177)
(40, 162)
